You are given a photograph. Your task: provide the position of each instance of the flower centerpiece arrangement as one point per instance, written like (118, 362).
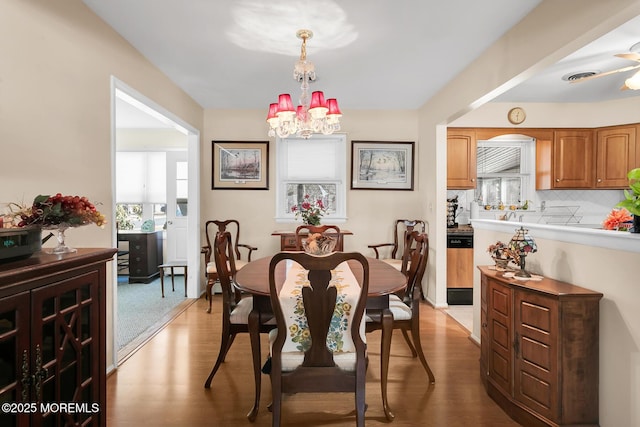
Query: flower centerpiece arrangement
(502, 254)
(318, 244)
(310, 210)
(618, 219)
(59, 213)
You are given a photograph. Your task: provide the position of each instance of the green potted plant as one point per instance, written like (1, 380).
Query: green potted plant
(632, 198)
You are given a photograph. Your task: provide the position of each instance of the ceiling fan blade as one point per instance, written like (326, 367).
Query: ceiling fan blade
(619, 70)
(633, 56)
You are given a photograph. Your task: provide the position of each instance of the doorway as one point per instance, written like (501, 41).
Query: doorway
(167, 151)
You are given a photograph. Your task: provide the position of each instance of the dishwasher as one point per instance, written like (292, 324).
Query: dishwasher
(460, 268)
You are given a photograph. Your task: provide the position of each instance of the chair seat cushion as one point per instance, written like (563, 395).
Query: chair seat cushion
(240, 314)
(395, 263)
(400, 310)
(211, 266)
(292, 359)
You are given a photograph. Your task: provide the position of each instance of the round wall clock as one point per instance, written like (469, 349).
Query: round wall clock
(516, 115)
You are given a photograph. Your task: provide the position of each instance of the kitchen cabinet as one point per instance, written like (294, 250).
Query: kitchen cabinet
(539, 349)
(53, 338)
(573, 159)
(617, 152)
(145, 254)
(461, 158)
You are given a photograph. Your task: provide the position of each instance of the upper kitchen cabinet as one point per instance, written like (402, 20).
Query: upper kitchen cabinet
(617, 152)
(461, 159)
(570, 156)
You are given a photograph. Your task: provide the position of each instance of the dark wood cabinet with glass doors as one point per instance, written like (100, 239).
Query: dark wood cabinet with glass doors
(53, 339)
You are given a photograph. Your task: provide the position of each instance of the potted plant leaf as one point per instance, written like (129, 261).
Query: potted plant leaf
(632, 198)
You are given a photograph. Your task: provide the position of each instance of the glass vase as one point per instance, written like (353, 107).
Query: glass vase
(61, 248)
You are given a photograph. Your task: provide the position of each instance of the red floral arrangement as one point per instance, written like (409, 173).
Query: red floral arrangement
(310, 210)
(618, 219)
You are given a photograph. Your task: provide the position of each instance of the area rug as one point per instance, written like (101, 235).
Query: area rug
(142, 311)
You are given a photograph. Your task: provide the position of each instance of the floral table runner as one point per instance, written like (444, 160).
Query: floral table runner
(339, 336)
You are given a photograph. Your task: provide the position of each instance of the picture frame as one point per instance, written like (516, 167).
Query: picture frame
(239, 165)
(382, 165)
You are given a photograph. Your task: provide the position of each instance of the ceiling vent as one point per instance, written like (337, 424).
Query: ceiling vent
(580, 75)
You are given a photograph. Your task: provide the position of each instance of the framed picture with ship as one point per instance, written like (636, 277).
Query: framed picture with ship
(240, 165)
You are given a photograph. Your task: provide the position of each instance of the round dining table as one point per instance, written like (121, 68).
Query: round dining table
(384, 280)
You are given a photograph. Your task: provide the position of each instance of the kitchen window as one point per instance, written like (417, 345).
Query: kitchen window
(506, 171)
(315, 166)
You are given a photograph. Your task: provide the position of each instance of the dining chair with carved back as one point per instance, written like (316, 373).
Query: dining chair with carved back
(405, 306)
(322, 349)
(333, 231)
(213, 227)
(394, 250)
(235, 306)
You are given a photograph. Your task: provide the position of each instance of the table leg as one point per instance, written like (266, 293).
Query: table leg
(185, 281)
(162, 280)
(173, 283)
(387, 331)
(254, 334)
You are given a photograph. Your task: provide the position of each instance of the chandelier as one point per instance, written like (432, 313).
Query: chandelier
(314, 114)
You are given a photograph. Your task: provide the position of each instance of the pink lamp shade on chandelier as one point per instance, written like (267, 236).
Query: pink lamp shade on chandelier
(284, 103)
(334, 110)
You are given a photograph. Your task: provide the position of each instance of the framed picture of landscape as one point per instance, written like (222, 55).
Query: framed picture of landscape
(240, 165)
(378, 165)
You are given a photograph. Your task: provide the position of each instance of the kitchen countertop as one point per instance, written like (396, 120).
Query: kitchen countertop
(461, 229)
(618, 240)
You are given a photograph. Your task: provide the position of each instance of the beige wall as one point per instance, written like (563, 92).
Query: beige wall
(371, 213)
(55, 107)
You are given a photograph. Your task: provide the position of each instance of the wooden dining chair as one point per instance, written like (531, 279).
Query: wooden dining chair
(405, 306)
(314, 366)
(392, 252)
(211, 229)
(305, 230)
(235, 306)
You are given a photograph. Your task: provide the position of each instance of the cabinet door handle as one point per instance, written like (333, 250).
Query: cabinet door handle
(26, 379)
(516, 345)
(599, 180)
(39, 374)
(557, 179)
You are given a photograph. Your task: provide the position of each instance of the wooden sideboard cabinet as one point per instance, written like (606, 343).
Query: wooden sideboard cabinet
(53, 338)
(145, 254)
(288, 239)
(539, 349)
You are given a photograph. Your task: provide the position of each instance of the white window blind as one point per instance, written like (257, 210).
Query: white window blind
(311, 161)
(141, 177)
(316, 166)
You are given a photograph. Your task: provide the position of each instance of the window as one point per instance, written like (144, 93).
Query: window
(316, 166)
(505, 171)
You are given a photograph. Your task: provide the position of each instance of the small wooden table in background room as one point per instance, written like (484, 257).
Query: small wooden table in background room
(172, 265)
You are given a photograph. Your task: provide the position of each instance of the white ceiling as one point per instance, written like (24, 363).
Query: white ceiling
(240, 53)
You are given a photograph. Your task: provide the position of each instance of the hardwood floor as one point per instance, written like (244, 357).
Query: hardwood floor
(162, 384)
